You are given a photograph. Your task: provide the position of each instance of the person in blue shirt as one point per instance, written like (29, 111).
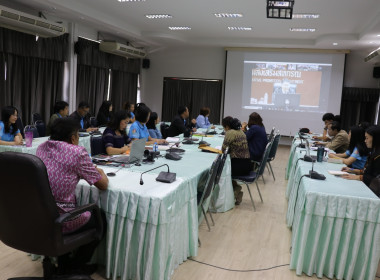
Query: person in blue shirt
(138, 129)
(202, 119)
(152, 126)
(356, 155)
(61, 110)
(130, 108)
(256, 136)
(9, 133)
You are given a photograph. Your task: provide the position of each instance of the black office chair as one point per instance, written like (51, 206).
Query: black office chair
(97, 145)
(29, 218)
(270, 136)
(164, 130)
(36, 117)
(41, 128)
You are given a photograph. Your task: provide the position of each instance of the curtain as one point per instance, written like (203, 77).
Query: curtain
(358, 105)
(93, 74)
(31, 72)
(176, 93)
(207, 94)
(123, 89)
(92, 86)
(194, 94)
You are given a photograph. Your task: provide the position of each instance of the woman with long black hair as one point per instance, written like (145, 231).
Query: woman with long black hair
(105, 113)
(372, 168)
(9, 133)
(357, 152)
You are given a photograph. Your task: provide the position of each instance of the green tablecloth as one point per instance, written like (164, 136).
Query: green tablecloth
(83, 141)
(335, 223)
(153, 228)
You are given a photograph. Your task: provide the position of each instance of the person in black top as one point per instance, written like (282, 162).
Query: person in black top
(82, 116)
(180, 124)
(372, 168)
(105, 113)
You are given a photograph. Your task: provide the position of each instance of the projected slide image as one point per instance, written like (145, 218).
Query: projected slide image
(285, 86)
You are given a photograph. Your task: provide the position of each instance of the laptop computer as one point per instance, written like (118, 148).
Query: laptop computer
(136, 154)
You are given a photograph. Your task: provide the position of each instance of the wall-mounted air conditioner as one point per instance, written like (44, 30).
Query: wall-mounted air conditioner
(122, 50)
(373, 55)
(26, 23)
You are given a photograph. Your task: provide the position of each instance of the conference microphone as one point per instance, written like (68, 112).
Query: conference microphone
(165, 177)
(203, 142)
(301, 145)
(315, 175)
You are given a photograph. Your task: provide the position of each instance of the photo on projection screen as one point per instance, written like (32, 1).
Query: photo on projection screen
(285, 86)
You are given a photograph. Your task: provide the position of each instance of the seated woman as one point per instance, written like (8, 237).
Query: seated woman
(256, 136)
(66, 163)
(236, 141)
(105, 113)
(138, 129)
(152, 126)
(9, 133)
(61, 110)
(130, 108)
(356, 155)
(372, 168)
(202, 119)
(115, 137)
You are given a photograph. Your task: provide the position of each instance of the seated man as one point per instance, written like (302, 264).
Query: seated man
(339, 142)
(81, 115)
(180, 124)
(327, 119)
(61, 110)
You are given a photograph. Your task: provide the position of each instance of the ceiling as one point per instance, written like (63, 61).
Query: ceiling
(353, 24)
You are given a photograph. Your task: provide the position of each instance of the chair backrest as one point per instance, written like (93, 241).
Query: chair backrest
(264, 160)
(93, 122)
(27, 207)
(210, 179)
(41, 128)
(221, 166)
(164, 128)
(273, 150)
(97, 145)
(36, 117)
(270, 137)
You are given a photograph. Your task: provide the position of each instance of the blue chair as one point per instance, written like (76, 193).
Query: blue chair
(41, 128)
(253, 176)
(273, 151)
(270, 136)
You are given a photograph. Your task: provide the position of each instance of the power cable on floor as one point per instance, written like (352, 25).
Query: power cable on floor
(238, 270)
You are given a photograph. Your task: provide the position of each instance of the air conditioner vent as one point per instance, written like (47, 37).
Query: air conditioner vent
(26, 23)
(122, 50)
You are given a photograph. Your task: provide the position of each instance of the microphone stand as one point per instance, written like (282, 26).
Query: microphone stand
(165, 177)
(203, 142)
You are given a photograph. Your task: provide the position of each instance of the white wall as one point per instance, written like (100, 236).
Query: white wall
(359, 73)
(189, 62)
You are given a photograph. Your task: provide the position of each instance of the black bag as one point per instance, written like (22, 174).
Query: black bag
(375, 185)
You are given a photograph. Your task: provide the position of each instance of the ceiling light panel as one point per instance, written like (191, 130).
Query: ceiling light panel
(158, 16)
(305, 16)
(131, 0)
(227, 15)
(239, 28)
(179, 28)
(302, 29)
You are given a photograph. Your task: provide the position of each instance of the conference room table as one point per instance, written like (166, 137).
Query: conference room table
(335, 222)
(152, 228)
(83, 141)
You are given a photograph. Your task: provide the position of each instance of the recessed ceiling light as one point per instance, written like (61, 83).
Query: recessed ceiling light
(239, 28)
(302, 29)
(335, 44)
(306, 16)
(227, 15)
(158, 16)
(371, 42)
(378, 35)
(131, 0)
(179, 28)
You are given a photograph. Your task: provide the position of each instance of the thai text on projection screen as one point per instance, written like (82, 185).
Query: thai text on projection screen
(285, 86)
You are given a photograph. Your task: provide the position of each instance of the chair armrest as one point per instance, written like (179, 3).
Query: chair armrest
(76, 211)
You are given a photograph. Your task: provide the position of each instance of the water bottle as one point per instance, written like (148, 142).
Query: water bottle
(28, 132)
(155, 148)
(320, 153)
